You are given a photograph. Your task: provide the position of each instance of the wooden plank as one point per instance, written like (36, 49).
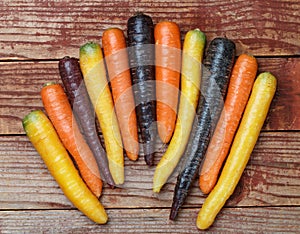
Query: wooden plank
(271, 178)
(21, 83)
(37, 29)
(285, 110)
(19, 91)
(230, 220)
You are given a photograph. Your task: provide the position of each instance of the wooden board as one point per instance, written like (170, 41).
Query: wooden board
(51, 29)
(271, 178)
(34, 34)
(22, 81)
(230, 220)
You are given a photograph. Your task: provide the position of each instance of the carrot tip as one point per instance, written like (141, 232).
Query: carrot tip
(149, 159)
(174, 211)
(148, 153)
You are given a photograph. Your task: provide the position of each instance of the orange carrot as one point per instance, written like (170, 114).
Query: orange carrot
(168, 62)
(60, 113)
(240, 85)
(114, 48)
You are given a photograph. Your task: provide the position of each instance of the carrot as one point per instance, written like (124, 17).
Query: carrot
(243, 144)
(94, 75)
(167, 74)
(116, 57)
(141, 57)
(240, 85)
(72, 79)
(193, 48)
(60, 113)
(218, 63)
(42, 135)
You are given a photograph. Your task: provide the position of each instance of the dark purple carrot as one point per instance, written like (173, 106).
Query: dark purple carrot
(218, 64)
(140, 32)
(72, 79)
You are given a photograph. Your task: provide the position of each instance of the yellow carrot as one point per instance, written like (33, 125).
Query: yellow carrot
(255, 114)
(94, 74)
(44, 138)
(190, 89)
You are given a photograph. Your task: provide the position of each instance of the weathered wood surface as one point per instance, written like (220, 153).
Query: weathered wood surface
(38, 29)
(271, 179)
(34, 34)
(21, 83)
(230, 220)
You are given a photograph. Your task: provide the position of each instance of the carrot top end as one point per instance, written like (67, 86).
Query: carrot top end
(66, 57)
(49, 83)
(268, 80)
(267, 75)
(112, 28)
(138, 13)
(200, 34)
(167, 23)
(33, 116)
(247, 55)
(89, 48)
(197, 33)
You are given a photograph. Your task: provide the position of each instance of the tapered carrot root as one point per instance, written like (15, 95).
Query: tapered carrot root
(44, 138)
(60, 113)
(141, 57)
(218, 63)
(168, 62)
(114, 47)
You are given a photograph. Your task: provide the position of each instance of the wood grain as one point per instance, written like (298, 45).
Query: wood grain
(285, 112)
(21, 83)
(237, 220)
(38, 29)
(36, 33)
(270, 179)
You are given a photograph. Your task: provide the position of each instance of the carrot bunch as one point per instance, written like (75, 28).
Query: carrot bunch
(135, 90)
